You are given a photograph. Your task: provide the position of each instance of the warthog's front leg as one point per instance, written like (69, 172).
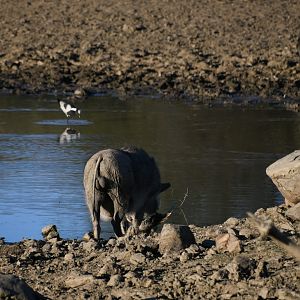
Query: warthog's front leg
(116, 224)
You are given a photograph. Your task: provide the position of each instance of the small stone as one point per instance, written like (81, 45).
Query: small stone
(79, 93)
(89, 246)
(87, 236)
(129, 275)
(137, 258)
(294, 212)
(74, 281)
(50, 231)
(241, 267)
(46, 248)
(261, 270)
(211, 251)
(147, 283)
(52, 235)
(184, 257)
(69, 257)
(111, 242)
(47, 229)
(175, 238)
(246, 233)
(228, 242)
(53, 241)
(231, 222)
(220, 275)
(194, 249)
(55, 250)
(114, 280)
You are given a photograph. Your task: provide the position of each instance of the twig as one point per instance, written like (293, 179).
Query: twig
(178, 207)
(268, 228)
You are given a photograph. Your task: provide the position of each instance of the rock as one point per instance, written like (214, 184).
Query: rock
(89, 246)
(79, 93)
(294, 212)
(50, 232)
(263, 293)
(247, 233)
(285, 173)
(184, 257)
(87, 236)
(111, 242)
(46, 248)
(228, 242)
(137, 258)
(114, 280)
(69, 257)
(175, 238)
(241, 268)
(11, 287)
(231, 222)
(220, 275)
(74, 281)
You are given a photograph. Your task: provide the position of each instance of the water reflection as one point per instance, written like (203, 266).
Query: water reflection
(69, 135)
(218, 155)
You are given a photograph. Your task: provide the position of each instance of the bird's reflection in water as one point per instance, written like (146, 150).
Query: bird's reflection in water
(69, 135)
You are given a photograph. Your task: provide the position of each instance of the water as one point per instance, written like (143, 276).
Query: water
(216, 157)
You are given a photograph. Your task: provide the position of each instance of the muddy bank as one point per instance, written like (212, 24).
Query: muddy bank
(247, 267)
(198, 49)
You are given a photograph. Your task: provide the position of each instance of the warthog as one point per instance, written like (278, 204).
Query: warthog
(122, 186)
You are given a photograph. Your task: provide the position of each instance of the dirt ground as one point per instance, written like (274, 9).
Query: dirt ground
(197, 49)
(248, 267)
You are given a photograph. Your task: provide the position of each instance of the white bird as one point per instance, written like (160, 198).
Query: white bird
(68, 109)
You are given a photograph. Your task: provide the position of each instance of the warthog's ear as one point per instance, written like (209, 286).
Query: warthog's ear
(164, 186)
(100, 183)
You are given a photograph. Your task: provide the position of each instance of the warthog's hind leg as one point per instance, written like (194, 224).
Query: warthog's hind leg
(95, 213)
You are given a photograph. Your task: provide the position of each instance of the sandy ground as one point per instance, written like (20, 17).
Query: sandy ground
(197, 49)
(247, 267)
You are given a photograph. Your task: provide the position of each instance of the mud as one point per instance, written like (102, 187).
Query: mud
(195, 49)
(250, 268)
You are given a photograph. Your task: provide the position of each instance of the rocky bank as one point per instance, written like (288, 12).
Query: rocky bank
(195, 48)
(228, 261)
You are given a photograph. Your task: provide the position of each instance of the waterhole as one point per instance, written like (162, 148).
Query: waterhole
(214, 158)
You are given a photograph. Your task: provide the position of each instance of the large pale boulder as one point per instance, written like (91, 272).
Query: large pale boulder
(285, 173)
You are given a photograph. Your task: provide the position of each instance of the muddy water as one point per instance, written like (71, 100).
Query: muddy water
(214, 158)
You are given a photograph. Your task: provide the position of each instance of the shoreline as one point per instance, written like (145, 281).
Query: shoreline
(241, 267)
(196, 50)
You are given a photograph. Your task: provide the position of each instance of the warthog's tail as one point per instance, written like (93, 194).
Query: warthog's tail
(100, 158)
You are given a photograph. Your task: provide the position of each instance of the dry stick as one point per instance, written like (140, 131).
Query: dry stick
(268, 228)
(184, 198)
(178, 207)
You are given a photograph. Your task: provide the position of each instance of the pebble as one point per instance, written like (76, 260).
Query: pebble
(74, 281)
(114, 280)
(137, 258)
(69, 257)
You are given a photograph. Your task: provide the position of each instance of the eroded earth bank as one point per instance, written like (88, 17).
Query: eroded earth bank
(191, 48)
(228, 261)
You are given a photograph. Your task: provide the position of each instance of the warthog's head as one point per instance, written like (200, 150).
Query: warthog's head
(149, 222)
